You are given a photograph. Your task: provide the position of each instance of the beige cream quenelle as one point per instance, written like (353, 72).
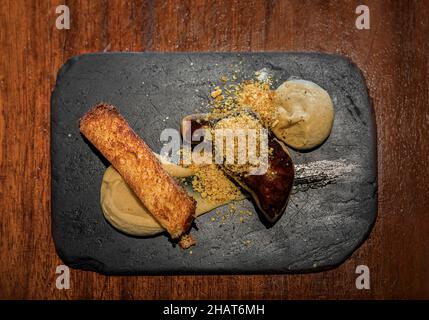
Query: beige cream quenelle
(304, 114)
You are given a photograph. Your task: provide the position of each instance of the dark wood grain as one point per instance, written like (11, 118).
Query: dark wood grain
(393, 55)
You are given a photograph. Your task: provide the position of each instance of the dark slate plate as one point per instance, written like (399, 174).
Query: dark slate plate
(322, 225)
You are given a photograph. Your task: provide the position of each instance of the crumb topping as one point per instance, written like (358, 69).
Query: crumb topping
(212, 183)
(253, 95)
(244, 123)
(235, 101)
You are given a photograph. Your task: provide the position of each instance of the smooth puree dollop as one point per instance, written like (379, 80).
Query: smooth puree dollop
(304, 114)
(126, 212)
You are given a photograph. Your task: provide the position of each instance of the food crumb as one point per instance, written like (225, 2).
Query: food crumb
(186, 241)
(217, 92)
(232, 208)
(212, 183)
(246, 212)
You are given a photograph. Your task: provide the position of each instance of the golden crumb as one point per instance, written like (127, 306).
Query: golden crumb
(217, 92)
(243, 121)
(186, 241)
(220, 97)
(258, 97)
(232, 206)
(246, 212)
(212, 183)
(253, 95)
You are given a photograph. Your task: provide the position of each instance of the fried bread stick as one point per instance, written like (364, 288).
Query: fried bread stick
(165, 199)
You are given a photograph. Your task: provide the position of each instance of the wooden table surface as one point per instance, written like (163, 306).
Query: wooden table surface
(393, 55)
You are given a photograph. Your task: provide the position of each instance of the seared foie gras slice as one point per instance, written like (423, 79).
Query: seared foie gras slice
(270, 191)
(165, 199)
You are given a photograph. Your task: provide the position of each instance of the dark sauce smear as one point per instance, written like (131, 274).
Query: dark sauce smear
(272, 189)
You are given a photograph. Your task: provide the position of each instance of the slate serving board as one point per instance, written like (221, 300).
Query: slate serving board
(322, 225)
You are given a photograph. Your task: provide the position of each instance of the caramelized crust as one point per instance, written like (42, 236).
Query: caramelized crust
(110, 133)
